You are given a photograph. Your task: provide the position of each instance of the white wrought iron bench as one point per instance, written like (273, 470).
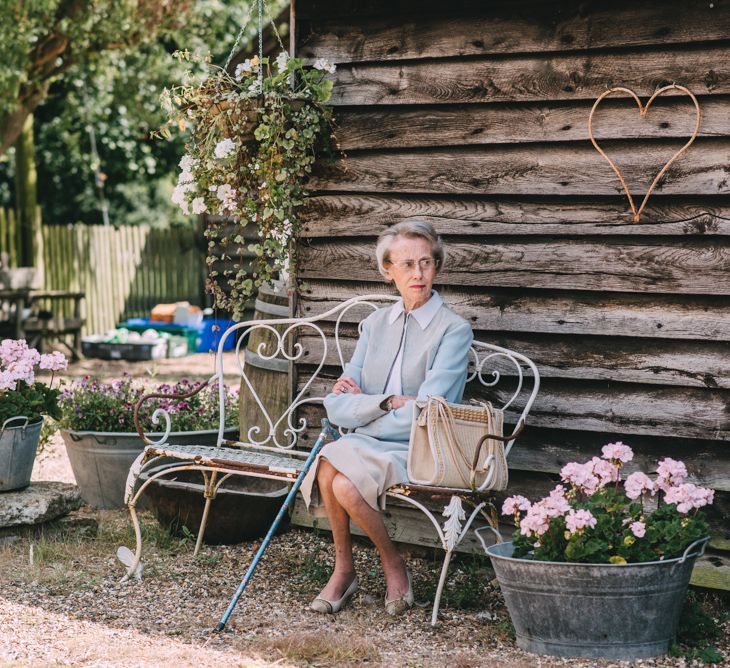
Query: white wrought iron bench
(270, 451)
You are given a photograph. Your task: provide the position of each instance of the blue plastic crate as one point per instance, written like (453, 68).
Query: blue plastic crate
(209, 340)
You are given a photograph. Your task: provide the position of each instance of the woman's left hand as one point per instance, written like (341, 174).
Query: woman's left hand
(400, 400)
(346, 385)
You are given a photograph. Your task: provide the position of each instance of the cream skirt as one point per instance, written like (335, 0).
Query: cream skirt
(371, 465)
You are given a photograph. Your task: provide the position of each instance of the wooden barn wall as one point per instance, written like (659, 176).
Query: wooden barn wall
(474, 116)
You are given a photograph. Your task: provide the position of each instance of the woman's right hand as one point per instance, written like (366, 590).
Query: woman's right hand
(346, 385)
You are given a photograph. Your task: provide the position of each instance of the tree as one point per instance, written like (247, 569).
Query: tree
(40, 41)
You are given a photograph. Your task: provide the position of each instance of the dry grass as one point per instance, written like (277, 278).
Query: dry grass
(324, 649)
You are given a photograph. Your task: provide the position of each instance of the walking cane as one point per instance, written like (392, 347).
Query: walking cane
(327, 430)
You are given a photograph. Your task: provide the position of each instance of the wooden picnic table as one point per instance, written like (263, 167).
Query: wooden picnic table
(22, 318)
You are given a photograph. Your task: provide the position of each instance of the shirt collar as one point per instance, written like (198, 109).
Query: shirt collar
(423, 314)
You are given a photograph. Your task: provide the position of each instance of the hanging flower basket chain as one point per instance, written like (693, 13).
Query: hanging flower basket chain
(254, 135)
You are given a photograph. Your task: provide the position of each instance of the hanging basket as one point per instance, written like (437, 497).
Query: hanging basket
(237, 118)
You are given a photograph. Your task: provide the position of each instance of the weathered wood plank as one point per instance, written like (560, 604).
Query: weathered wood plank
(571, 26)
(705, 318)
(405, 524)
(694, 267)
(467, 125)
(702, 68)
(326, 9)
(368, 215)
(548, 450)
(652, 362)
(606, 407)
(552, 169)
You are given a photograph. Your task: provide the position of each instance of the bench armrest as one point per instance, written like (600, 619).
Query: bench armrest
(160, 395)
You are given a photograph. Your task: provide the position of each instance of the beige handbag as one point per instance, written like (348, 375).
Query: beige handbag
(450, 445)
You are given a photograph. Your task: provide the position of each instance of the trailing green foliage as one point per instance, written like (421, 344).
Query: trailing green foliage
(251, 147)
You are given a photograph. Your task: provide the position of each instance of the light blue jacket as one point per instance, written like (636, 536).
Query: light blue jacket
(434, 363)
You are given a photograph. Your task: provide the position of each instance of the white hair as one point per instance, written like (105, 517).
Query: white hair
(414, 228)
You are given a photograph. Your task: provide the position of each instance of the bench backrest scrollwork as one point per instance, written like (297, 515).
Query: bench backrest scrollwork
(498, 372)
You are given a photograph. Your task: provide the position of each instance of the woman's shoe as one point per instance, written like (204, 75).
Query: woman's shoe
(326, 607)
(399, 605)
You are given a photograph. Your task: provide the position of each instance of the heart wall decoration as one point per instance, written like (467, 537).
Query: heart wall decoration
(643, 110)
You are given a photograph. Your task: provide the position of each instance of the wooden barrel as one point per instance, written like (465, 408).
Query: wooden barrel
(269, 377)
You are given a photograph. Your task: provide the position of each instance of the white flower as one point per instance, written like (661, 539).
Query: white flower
(281, 61)
(224, 148)
(179, 198)
(324, 65)
(255, 88)
(187, 162)
(248, 66)
(185, 177)
(199, 205)
(227, 196)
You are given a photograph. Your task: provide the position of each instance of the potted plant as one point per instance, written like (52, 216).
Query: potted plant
(97, 426)
(23, 404)
(254, 135)
(600, 567)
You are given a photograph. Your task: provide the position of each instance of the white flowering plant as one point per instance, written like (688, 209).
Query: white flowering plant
(596, 517)
(253, 138)
(20, 393)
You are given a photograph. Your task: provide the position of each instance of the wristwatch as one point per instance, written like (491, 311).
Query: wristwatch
(387, 404)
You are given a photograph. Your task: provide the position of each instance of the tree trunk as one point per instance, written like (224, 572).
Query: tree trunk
(26, 198)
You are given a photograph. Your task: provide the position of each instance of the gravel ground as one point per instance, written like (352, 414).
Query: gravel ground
(61, 602)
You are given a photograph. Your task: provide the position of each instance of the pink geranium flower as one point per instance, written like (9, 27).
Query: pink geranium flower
(638, 483)
(670, 472)
(606, 472)
(617, 452)
(580, 476)
(515, 504)
(689, 496)
(54, 361)
(638, 529)
(577, 520)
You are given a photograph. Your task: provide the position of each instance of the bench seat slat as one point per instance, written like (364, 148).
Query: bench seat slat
(243, 459)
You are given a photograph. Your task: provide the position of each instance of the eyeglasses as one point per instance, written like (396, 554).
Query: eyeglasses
(425, 264)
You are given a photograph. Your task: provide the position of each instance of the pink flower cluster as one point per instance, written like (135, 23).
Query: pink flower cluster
(514, 504)
(18, 362)
(538, 516)
(617, 452)
(591, 476)
(688, 496)
(670, 472)
(577, 520)
(638, 483)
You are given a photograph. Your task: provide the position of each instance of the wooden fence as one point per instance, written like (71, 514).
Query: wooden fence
(124, 271)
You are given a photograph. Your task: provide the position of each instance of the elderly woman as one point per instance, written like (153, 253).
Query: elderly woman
(415, 348)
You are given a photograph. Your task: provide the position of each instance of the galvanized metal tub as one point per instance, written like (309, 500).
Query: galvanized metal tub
(611, 611)
(18, 445)
(101, 460)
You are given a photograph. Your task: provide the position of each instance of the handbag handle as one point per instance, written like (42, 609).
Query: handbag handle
(504, 439)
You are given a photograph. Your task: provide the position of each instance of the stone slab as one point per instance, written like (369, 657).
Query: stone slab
(38, 503)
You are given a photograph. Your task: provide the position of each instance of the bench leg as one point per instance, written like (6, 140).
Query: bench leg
(138, 537)
(440, 589)
(203, 522)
